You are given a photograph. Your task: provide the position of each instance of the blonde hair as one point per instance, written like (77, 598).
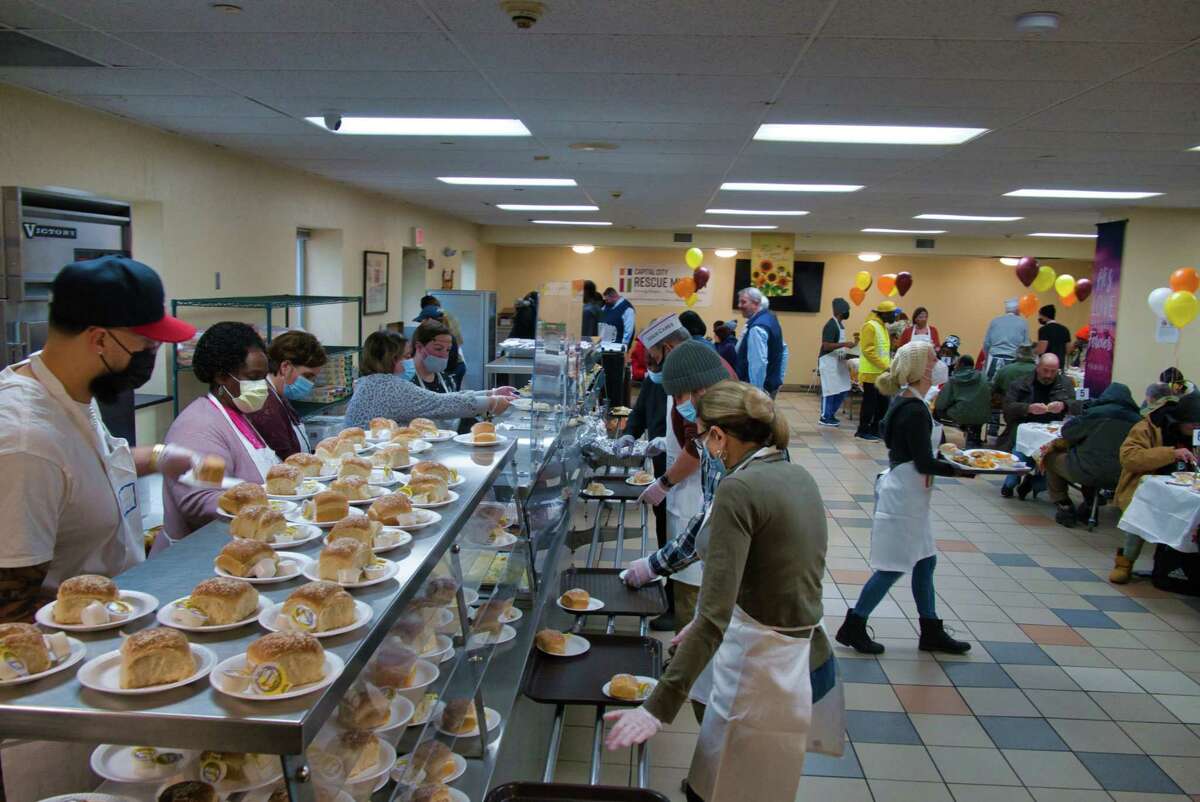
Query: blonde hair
(908, 366)
(743, 411)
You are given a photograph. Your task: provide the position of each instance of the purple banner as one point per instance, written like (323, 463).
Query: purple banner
(1106, 289)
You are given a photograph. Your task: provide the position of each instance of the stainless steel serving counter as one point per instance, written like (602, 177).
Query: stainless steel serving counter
(198, 717)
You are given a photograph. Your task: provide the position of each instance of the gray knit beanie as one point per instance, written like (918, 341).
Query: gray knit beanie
(691, 366)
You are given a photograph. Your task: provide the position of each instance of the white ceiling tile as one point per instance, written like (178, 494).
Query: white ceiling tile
(29, 15)
(634, 88)
(206, 106)
(102, 48)
(303, 51)
(890, 91)
(86, 81)
(389, 107)
(699, 116)
(345, 83)
(202, 126)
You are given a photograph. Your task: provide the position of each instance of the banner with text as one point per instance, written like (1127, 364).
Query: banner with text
(654, 285)
(1106, 290)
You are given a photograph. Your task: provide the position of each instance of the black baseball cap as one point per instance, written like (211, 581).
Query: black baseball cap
(115, 292)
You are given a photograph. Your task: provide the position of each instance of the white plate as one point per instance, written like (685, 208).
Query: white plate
(386, 478)
(445, 644)
(103, 673)
(447, 621)
(401, 765)
(299, 559)
(451, 497)
(92, 796)
(164, 617)
(308, 489)
(481, 640)
(305, 533)
(594, 604)
(403, 540)
(442, 436)
(426, 674)
(576, 645)
(116, 763)
(190, 479)
(312, 571)
(387, 759)
(333, 667)
(511, 615)
(470, 596)
(414, 446)
(286, 507)
(402, 710)
(630, 481)
(502, 542)
(422, 518)
(142, 603)
(362, 614)
(468, 439)
(373, 492)
(78, 652)
(493, 721)
(298, 518)
(608, 491)
(662, 580)
(653, 684)
(264, 794)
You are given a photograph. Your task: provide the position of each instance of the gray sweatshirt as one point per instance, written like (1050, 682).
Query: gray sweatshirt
(384, 395)
(1005, 334)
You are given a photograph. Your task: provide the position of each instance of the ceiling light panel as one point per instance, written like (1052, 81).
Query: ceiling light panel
(1099, 194)
(508, 182)
(571, 222)
(775, 212)
(542, 207)
(758, 186)
(1057, 235)
(426, 126)
(867, 134)
(970, 218)
(904, 231)
(744, 228)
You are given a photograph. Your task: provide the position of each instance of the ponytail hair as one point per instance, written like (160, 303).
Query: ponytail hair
(745, 412)
(908, 366)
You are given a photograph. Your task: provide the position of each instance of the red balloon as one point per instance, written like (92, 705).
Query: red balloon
(904, 282)
(1027, 270)
(1083, 288)
(701, 276)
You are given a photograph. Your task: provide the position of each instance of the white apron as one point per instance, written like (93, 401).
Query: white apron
(833, 370)
(994, 363)
(927, 336)
(901, 533)
(684, 501)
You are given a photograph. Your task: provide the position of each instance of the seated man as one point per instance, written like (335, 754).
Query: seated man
(1041, 397)
(1088, 452)
(1019, 368)
(966, 401)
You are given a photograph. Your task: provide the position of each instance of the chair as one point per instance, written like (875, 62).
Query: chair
(1103, 494)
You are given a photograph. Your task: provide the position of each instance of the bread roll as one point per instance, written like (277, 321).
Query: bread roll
(211, 470)
(388, 509)
(284, 480)
(484, 427)
(354, 488)
(223, 600)
(381, 427)
(299, 658)
(259, 523)
(309, 464)
(412, 630)
(435, 792)
(625, 686)
(23, 649)
(459, 716)
(332, 449)
(490, 616)
(393, 667)
(424, 425)
(576, 599)
(405, 433)
(328, 506)
(319, 607)
(364, 708)
(355, 466)
(428, 490)
(428, 467)
(551, 640)
(353, 434)
(155, 657)
(435, 759)
(355, 527)
(186, 791)
(343, 558)
(485, 437)
(240, 555)
(393, 456)
(441, 590)
(78, 592)
(238, 497)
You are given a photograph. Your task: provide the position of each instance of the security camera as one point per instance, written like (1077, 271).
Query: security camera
(523, 13)
(333, 120)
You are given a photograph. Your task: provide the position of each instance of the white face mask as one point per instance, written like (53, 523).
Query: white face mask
(941, 373)
(251, 396)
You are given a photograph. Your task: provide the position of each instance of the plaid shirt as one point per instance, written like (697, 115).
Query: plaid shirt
(680, 552)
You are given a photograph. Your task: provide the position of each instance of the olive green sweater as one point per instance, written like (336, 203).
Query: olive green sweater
(764, 550)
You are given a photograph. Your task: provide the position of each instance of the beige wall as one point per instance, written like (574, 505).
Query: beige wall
(1157, 242)
(962, 293)
(199, 209)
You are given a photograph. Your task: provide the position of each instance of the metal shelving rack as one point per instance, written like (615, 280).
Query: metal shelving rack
(270, 303)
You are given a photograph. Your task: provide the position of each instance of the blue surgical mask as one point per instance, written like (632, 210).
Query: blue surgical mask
(654, 376)
(298, 389)
(436, 364)
(687, 409)
(410, 369)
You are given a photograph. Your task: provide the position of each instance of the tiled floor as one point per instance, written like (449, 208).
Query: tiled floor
(1075, 690)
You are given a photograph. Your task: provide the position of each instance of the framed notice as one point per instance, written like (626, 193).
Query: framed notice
(376, 269)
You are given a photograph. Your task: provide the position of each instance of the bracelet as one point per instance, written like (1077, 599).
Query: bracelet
(155, 454)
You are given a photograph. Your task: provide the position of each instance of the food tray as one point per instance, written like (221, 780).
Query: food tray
(561, 792)
(619, 599)
(617, 484)
(579, 680)
(1021, 467)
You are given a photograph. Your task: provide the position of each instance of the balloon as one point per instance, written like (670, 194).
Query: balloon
(862, 280)
(1028, 304)
(887, 283)
(1069, 300)
(1158, 300)
(1185, 280)
(691, 300)
(1027, 270)
(701, 277)
(694, 257)
(1083, 289)
(684, 286)
(1064, 285)
(1181, 308)
(895, 293)
(904, 282)
(857, 294)
(1045, 279)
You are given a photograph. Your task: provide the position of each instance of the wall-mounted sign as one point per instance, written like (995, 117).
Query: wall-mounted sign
(37, 230)
(655, 285)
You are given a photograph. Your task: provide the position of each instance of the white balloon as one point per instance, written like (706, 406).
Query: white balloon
(1157, 300)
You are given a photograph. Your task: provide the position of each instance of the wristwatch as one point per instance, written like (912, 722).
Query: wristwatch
(666, 481)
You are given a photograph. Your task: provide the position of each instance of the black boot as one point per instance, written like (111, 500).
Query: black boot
(1065, 514)
(853, 633)
(1024, 487)
(935, 639)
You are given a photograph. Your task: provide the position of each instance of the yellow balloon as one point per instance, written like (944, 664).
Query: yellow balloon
(1064, 285)
(1045, 279)
(694, 257)
(894, 293)
(862, 280)
(691, 300)
(1181, 308)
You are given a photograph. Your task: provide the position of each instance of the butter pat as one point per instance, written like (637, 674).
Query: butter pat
(94, 615)
(187, 616)
(263, 569)
(236, 681)
(58, 645)
(348, 576)
(11, 666)
(287, 567)
(375, 569)
(386, 538)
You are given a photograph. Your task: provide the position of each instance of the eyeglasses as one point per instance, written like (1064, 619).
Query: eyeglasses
(698, 440)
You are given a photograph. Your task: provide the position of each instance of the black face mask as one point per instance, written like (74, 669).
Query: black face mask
(109, 386)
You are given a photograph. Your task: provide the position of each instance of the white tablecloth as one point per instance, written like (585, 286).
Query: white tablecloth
(1034, 439)
(1162, 512)
(1075, 375)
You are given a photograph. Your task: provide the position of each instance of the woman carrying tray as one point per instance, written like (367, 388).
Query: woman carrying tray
(901, 532)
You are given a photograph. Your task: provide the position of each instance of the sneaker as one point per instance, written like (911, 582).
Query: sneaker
(664, 623)
(828, 422)
(871, 437)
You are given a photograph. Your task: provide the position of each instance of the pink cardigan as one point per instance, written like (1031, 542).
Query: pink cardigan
(202, 428)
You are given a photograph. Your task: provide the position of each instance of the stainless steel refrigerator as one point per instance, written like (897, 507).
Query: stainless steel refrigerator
(475, 311)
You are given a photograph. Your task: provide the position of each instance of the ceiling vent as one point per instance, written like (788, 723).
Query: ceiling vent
(925, 243)
(19, 50)
(683, 237)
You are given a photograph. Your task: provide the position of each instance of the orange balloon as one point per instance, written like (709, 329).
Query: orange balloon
(1070, 300)
(1185, 279)
(1028, 304)
(858, 295)
(886, 283)
(684, 287)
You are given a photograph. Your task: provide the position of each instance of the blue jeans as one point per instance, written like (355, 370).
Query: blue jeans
(830, 405)
(1014, 479)
(881, 582)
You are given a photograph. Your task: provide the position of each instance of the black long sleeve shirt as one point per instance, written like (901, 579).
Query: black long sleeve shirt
(907, 428)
